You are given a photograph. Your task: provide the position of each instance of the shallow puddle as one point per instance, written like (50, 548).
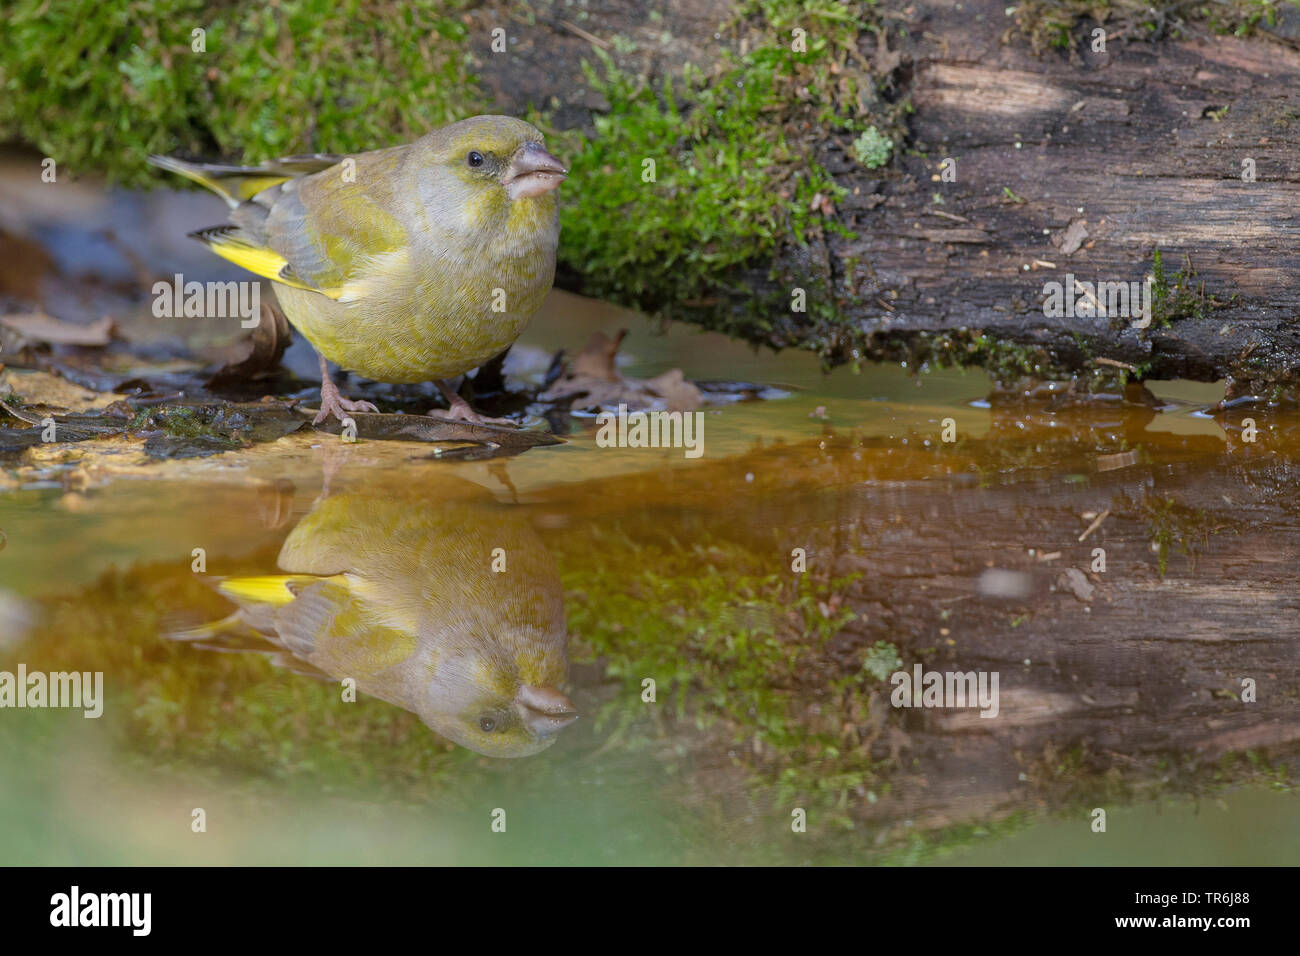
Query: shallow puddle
(732, 624)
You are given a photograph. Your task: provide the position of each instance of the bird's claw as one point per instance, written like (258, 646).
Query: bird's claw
(460, 411)
(338, 406)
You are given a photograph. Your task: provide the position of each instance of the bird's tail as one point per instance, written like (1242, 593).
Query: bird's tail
(236, 184)
(227, 626)
(257, 596)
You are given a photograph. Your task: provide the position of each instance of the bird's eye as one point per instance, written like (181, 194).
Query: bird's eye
(475, 158)
(487, 724)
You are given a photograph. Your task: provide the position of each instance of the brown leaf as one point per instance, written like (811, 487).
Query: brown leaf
(39, 327)
(594, 380)
(1072, 238)
(596, 360)
(262, 350)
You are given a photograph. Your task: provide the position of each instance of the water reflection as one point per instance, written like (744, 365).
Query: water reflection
(1146, 657)
(438, 601)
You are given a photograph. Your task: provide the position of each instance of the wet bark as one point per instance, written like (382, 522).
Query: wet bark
(1067, 162)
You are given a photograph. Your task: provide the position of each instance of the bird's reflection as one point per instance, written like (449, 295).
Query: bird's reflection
(440, 602)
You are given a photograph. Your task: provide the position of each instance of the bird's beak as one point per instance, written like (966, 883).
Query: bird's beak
(532, 172)
(545, 710)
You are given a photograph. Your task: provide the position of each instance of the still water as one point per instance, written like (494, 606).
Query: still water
(731, 707)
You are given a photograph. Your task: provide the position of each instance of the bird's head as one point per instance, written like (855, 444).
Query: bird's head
(488, 177)
(495, 153)
(500, 705)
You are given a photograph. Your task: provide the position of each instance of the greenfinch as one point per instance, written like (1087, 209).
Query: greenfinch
(410, 264)
(448, 607)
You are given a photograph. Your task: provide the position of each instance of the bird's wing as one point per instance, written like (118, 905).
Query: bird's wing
(329, 626)
(326, 231)
(322, 621)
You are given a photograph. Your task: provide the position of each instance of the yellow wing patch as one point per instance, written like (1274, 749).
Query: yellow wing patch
(229, 243)
(276, 590)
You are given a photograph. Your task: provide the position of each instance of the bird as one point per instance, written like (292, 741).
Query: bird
(408, 264)
(398, 588)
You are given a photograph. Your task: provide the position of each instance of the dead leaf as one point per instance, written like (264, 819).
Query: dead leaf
(678, 394)
(593, 380)
(597, 359)
(1077, 583)
(1072, 238)
(261, 352)
(39, 327)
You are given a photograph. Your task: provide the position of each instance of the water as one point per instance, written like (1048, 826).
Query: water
(771, 685)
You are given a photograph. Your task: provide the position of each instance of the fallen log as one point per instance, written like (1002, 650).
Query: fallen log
(1061, 162)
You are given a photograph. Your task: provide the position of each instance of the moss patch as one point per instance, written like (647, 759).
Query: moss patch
(98, 85)
(1052, 23)
(686, 183)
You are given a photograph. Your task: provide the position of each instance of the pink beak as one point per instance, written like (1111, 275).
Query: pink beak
(545, 710)
(532, 172)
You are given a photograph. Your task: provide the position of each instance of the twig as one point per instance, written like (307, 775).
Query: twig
(580, 32)
(1096, 523)
(1114, 363)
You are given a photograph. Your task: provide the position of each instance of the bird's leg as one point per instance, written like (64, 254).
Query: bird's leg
(460, 410)
(332, 402)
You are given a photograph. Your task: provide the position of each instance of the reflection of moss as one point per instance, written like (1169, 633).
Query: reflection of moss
(1007, 362)
(730, 647)
(1174, 525)
(744, 658)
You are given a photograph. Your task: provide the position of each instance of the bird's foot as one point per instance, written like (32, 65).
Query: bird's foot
(460, 411)
(332, 403)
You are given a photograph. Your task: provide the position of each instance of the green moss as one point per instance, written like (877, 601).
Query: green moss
(882, 660)
(734, 194)
(1174, 526)
(873, 149)
(687, 183)
(1052, 23)
(1178, 296)
(98, 84)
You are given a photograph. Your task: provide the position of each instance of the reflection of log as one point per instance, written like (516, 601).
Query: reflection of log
(1149, 666)
(1141, 147)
